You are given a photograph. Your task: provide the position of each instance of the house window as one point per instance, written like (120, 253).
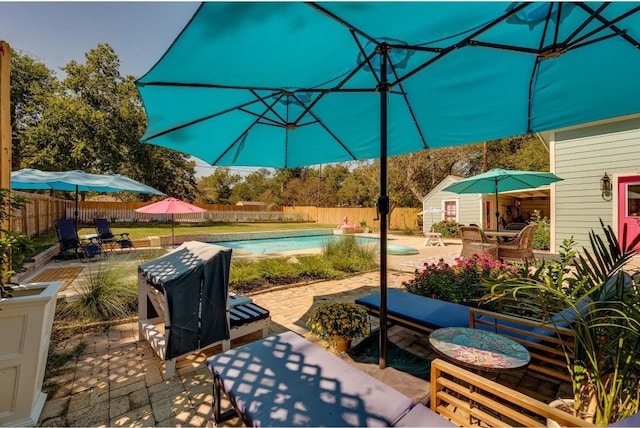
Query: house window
(633, 200)
(451, 210)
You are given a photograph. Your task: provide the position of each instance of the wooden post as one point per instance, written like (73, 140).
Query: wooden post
(5, 120)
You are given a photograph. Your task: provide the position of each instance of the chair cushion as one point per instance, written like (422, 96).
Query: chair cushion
(425, 311)
(422, 416)
(285, 380)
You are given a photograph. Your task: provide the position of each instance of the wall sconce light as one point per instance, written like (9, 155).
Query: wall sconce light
(605, 187)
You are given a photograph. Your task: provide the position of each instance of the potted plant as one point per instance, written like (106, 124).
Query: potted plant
(596, 297)
(338, 323)
(26, 319)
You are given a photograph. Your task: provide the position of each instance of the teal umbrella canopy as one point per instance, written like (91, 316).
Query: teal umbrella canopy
(77, 181)
(290, 84)
(502, 180)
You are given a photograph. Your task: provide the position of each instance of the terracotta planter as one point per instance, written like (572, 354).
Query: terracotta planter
(340, 344)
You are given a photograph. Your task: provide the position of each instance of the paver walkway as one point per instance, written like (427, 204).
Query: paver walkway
(118, 381)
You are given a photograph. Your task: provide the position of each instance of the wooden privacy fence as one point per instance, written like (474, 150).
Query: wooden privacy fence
(39, 215)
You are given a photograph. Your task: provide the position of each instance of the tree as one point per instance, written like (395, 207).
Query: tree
(217, 188)
(94, 122)
(31, 82)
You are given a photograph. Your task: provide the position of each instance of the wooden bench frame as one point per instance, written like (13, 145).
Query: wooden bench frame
(467, 399)
(547, 351)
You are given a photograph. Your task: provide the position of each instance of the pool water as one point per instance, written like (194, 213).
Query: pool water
(277, 245)
(293, 243)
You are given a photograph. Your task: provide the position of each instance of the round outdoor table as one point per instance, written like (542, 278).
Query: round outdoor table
(478, 349)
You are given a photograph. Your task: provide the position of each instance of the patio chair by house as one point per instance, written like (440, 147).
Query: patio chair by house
(474, 241)
(106, 238)
(70, 244)
(520, 249)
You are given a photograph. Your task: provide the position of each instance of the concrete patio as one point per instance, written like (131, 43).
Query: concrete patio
(118, 380)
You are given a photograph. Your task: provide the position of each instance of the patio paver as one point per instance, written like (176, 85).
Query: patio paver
(118, 381)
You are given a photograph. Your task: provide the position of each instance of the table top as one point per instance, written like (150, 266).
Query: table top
(479, 349)
(504, 233)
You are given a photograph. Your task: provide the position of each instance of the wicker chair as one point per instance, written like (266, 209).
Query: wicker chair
(474, 241)
(519, 250)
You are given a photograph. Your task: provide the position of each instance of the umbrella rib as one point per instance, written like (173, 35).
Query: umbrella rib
(467, 41)
(592, 16)
(201, 119)
(341, 21)
(408, 104)
(612, 23)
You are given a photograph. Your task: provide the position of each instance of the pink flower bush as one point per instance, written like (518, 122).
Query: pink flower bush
(458, 283)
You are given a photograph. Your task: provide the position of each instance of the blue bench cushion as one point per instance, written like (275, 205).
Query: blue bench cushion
(285, 380)
(425, 311)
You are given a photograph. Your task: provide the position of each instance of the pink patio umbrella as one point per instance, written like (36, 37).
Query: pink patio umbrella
(170, 206)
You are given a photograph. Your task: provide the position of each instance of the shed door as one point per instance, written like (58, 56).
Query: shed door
(629, 206)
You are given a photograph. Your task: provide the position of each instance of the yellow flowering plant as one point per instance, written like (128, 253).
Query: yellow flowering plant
(346, 320)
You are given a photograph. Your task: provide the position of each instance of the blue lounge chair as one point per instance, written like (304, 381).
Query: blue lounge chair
(108, 239)
(70, 244)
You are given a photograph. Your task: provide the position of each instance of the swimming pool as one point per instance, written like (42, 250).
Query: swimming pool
(277, 245)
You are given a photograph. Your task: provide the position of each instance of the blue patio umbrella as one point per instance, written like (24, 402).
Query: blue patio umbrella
(502, 180)
(289, 84)
(77, 181)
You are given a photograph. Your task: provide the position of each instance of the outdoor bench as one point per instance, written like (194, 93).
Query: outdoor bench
(419, 313)
(424, 314)
(285, 380)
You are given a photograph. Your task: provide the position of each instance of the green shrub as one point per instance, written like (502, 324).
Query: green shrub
(542, 236)
(448, 229)
(347, 255)
(108, 290)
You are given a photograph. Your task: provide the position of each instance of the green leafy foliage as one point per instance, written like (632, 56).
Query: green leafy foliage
(109, 290)
(596, 286)
(448, 229)
(459, 283)
(542, 235)
(340, 257)
(14, 247)
(346, 320)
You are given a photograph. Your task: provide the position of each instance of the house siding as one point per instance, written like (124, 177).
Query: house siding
(469, 205)
(582, 156)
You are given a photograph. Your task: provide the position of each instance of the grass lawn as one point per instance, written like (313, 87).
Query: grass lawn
(142, 230)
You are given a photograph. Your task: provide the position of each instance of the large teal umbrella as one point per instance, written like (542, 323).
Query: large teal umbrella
(77, 181)
(289, 84)
(502, 180)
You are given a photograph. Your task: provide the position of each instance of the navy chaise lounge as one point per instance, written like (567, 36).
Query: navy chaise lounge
(417, 312)
(285, 380)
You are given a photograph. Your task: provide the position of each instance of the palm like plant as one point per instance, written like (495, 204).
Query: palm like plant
(598, 298)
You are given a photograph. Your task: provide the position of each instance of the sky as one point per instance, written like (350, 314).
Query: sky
(57, 32)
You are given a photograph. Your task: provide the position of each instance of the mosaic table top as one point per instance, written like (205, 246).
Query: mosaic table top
(479, 349)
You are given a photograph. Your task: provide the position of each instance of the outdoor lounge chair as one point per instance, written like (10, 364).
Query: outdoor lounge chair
(106, 238)
(474, 241)
(71, 247)
(285, 380)
(184, 305)
(520, 249)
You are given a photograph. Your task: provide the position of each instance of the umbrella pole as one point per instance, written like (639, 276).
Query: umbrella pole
(497, 207)
(383, 204)
(173, 236)
(76, 212)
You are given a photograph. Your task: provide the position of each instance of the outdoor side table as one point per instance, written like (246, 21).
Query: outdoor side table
(478, 350)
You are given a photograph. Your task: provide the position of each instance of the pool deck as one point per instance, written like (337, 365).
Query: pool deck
(118, 380)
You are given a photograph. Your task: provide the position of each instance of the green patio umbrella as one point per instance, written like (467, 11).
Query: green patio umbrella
(502, 180)
(289, 84)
